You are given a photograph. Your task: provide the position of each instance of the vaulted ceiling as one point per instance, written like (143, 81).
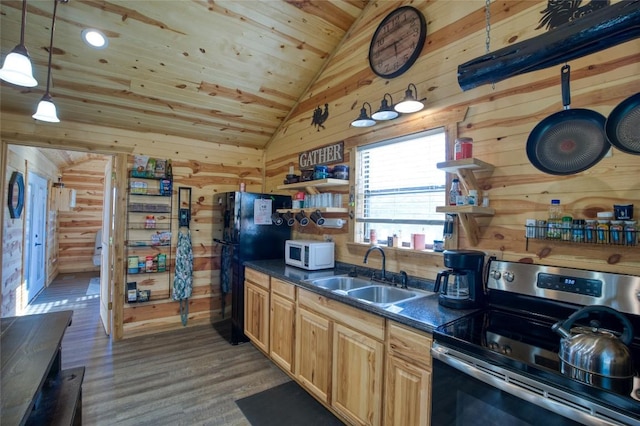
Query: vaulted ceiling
(226, 72)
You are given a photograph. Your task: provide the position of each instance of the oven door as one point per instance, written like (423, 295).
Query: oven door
(469, 391)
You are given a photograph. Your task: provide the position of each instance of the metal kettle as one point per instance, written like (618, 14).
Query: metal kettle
(595, 356)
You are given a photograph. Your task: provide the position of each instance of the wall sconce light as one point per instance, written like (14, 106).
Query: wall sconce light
(302, 218)
(46, 108)
(317, 218)
(277, 219)
(410, 103)
(17, 67)
(364, 120)
(288, 217)
(385, 112)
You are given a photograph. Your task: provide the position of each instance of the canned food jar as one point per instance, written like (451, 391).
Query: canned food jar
(148, 265)
(463, 148)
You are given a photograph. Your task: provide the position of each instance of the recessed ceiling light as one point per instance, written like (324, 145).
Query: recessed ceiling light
(94, 38)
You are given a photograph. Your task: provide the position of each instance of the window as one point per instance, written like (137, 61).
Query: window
(399, 188)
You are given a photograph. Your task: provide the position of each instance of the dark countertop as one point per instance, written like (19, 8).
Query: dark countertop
(423, 314)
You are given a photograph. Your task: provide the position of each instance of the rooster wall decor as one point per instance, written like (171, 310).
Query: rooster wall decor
(319, 116)
(559, 12)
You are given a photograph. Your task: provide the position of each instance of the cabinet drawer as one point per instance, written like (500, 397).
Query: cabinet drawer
(283, 288)
(412, 345)
(257, 278)
(359, 320)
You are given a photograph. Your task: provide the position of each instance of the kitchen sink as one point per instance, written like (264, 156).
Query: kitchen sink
(367, 291)
(340, 283)
(382, 294)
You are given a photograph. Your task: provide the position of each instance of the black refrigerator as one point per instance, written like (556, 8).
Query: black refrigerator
(248, 233)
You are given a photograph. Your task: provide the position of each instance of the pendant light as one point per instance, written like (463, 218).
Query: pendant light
(410, 103)
(46, 108)
(363, 119)
(385, 112)
(17, 67)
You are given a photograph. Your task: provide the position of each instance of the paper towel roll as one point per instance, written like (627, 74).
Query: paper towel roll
(333, 223)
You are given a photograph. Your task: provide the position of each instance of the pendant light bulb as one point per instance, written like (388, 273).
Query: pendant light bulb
(385, 112)
(17, 68)
(363, 119)
(410, 103)
(46, 110)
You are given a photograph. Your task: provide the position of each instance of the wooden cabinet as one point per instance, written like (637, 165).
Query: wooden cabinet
(355, 355)
(148, 239)
(282, 324)
(465, 170)
(357, 376)
(256, 308)
(313, 353)
(408, 377)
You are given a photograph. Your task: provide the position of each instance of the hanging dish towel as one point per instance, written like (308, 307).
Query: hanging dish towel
(225, 272)
(183, 277)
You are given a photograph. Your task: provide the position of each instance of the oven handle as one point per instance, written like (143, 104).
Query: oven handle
(532, 391)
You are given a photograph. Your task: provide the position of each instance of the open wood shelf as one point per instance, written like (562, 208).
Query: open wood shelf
(313, 209)
(474, 210)
(320, 183)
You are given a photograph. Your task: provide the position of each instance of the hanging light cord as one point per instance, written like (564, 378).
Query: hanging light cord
(53, 24)
(24, 21)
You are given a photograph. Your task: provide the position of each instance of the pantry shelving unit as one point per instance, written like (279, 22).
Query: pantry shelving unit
(148, 233)
(466, 171)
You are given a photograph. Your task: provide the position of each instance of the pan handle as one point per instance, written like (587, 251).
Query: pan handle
(564, 80)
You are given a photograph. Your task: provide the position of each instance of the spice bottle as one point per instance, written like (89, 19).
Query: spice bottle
(454, 191)
(602, 228)
(630, 233)
(463, 148)
(566, 228)
(554, 223)
(590, 231)
(577, 235)
(616, 229)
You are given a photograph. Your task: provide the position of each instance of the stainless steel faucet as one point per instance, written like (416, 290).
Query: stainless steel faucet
(384, 260)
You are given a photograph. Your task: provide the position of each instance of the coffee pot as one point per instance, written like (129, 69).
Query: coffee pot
(461, 286)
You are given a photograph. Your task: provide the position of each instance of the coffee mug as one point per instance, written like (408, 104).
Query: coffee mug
(276, 218)
(623, 212)
(288, 217)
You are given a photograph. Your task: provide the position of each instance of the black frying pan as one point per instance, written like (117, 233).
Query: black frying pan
(623, 125)
(568, 141)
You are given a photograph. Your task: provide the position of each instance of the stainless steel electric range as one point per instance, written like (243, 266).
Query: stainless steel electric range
(500, 365)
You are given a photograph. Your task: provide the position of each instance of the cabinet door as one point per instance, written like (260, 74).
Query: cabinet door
(313, 353)
(256, 315)
(357, 376)
(407, 394)
(282, 331)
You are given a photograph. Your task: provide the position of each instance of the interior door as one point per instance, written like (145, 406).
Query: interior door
(36, 238)
(106, 261)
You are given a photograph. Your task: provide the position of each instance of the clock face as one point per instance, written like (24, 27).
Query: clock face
(397, 42)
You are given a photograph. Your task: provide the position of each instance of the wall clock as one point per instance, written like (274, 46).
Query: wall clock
(397, 42)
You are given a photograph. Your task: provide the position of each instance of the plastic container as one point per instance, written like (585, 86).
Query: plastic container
(554, 222)
(590, 231)
(454, 192)
(567, 227)
(341, 171)
(616, 229)
(320, 172)
(630, 233)
(473, 197)
(463, 148)
(577, 233)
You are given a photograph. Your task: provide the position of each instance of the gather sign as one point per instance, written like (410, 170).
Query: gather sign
(327, 154)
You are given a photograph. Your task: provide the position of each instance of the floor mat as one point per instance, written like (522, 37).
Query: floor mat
(286, 404)
(94, 286)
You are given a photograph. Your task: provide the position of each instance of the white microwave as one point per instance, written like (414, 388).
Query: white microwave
(309, 254)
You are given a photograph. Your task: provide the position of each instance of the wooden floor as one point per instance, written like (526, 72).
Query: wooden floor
(184, 377)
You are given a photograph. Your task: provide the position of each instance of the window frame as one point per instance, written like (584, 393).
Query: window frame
(446, 131)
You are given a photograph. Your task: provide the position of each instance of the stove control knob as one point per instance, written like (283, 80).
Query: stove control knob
(495, 275)
(507, 350)
(508, 276)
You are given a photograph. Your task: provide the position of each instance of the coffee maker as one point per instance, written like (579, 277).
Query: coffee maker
(461, 286)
